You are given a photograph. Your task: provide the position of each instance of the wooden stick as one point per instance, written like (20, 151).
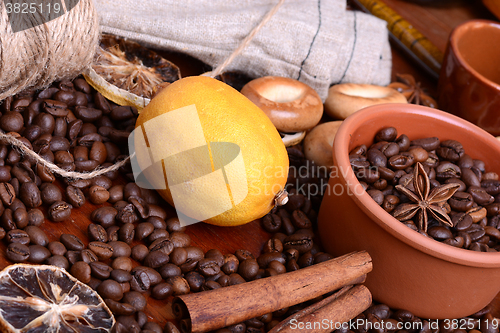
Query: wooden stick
(222, 307)
(329, 314)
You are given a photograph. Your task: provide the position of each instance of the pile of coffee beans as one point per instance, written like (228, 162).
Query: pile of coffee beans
(134, 249)
(474, 209)
(379, 318)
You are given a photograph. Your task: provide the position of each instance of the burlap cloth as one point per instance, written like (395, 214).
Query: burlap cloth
(318, 42)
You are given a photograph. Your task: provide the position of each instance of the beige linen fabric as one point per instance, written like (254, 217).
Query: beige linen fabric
(318, 42)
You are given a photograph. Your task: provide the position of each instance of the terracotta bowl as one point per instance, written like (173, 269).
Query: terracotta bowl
(469, 82)
(410, 271)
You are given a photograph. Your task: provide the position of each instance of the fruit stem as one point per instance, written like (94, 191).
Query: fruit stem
(281, 198)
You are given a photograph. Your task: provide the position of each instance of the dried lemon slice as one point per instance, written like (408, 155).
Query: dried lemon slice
(126, 72)
(42, 298)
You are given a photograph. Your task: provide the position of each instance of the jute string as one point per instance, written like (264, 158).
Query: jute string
(68, 71)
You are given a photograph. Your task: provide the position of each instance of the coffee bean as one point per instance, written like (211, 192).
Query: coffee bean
(450, 150)
(123, 263)
(461, 221)
(126, 214)
(37, 236)
(81, 271)
(102, 250)
(38, 254)
(439, 233)
(169, 270)
(115, 193)
(156, 259)
(100, 270)
(248, 269)
(72, 242)
(234, 279)
(386, 134)
(120, 249)
(461, 201)
(143, 230)
(17, 252)
(98, 195)
(110, 289)
(7, 219)
(231, 264)
(7, 194)
(136, 299)
(127, 233)
(112, 233)
(475, 232)
(102, 181)
(87, 115)
(208, 267)
(172, 224)
(97, 233)
(59, 261)
(243, 255)
(59, 211)
(50, 193)
(86, 166)
(179, 285)
(273, 245)
(376, 157)
(56, 248)
(306, 260)
(119, 308)
(105, 216)
(11, 121)
(17, 236)
(266, 258)
(131, 189)
(400, 161)
(98, 152)
(140, 281)
(120, 275)
(139, 252)
(303, 243)
(179, 239)
(195, 281)
(88, 256)
(75, 196)
(480, 196)
(140, 206)
(162, 244)
(300, 220)
(155, 210)
(73, 256)
(216, 255)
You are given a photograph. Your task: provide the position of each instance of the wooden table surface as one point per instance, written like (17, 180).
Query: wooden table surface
(434, 21)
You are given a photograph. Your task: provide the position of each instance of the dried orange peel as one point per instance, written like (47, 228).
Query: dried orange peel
(44, 298)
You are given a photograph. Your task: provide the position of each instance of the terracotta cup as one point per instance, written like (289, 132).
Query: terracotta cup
(410, 271)
(469, 82)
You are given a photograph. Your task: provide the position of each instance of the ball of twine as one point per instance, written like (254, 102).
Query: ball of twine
(51, 51)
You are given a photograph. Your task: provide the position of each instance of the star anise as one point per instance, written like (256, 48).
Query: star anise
(424, 200)
(412, 90)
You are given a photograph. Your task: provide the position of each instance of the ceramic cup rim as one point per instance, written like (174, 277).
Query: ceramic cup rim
(455, 36)
(376, 213)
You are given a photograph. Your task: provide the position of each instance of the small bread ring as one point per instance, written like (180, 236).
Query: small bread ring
(346, 98)
(319, 142)
(291, 105)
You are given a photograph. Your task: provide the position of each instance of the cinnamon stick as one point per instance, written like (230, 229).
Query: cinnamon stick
(222, 307)
(329, 314)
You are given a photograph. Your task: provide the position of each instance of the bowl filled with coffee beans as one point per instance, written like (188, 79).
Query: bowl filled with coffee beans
(419, 190)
